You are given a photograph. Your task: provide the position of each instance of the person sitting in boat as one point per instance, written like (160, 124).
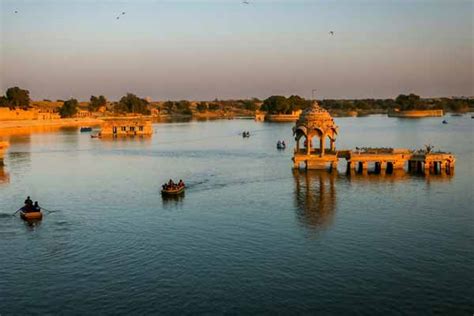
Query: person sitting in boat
(279, 144)
(36, 207)
(283, 143)
(180, 183)
(170, 183)
(28, 205)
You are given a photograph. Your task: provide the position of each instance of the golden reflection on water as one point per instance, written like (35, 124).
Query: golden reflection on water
(4, 176)
(315, 197)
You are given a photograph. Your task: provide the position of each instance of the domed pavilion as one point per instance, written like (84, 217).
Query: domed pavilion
(315, 122)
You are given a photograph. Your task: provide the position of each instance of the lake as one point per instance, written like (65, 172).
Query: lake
(250, 236)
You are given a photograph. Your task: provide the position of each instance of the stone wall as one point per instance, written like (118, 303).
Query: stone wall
(416, 113)
(7, 114)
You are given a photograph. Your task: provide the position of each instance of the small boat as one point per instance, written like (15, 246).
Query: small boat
(86, 129)
(95, 135)
(246, 134)
(281, 145)
(445, 122)
(30, 216)
(173, 191)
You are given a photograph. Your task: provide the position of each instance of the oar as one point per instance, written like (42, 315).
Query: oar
(17, 211)
(42, 208)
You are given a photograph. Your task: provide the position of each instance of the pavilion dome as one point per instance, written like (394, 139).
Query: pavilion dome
(316, 118)
(314, 112)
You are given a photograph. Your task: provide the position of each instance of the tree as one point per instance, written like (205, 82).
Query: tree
(132, 104)
(276, 105)
(298, 103)
(18, 97)
(410, 102)
(202, 107)
(4, 102)
(169, 105)
(69, 108)
(96, 103)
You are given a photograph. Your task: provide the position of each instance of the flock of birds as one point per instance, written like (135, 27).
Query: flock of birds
(246, 2)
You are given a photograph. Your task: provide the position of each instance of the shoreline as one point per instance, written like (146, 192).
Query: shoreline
(28, 126)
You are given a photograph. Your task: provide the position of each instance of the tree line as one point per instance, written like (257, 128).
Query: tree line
(16, 97)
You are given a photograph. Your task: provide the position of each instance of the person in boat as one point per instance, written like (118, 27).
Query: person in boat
(28, 205)
(283, 143)
(279, 144)
(180, 183)
(36, 207)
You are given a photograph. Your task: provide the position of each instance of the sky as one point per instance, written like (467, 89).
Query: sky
(202, 50)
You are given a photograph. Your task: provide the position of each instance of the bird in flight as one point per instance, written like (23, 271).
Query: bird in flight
(331, 32)
(16, 11)
(123, 13)
(117, 17)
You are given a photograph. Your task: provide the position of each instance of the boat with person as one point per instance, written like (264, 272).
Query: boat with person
(30, 216)
(281, 144)
(173, 189)
(86, 129)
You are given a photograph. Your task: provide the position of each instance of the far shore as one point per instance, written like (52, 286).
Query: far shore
(27, 126)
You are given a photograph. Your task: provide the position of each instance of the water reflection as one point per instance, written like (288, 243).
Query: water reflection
(398, 176)
(315, 197)
(173, 201)
(4, 176)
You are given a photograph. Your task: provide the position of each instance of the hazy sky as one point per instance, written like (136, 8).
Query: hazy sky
(226, 49)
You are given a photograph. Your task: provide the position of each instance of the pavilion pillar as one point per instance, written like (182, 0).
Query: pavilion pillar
(322, 144)
(332, 144)
(308, 146)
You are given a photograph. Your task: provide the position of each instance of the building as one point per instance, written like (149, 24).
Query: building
(126, 127)
(315, 122)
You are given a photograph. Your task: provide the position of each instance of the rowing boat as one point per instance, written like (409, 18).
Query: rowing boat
(31, 215)
(175, 191)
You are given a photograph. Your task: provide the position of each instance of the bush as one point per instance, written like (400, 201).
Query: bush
(69, 108)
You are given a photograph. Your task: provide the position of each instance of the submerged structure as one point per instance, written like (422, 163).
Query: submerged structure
(3, 149)
(315, 123)
(126, 127)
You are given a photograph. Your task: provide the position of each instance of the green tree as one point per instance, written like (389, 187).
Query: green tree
(69, 108)
(298, 103)
(130, 103)
(96, 103)
(202, 107)
(18, 97)
(169, 105)
(276, 104)
(410, 102)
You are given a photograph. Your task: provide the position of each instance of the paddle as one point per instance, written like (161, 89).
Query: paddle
(17, 211)
(42, 208)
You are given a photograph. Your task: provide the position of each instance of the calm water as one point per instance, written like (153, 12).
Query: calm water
(250, 236)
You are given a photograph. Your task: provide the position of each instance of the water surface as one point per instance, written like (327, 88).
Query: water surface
(249, 236)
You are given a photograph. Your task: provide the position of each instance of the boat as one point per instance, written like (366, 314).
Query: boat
(95, 135)
(173, 191)
(30, 216)
(281, 145)
(445, 122)
(86, 129)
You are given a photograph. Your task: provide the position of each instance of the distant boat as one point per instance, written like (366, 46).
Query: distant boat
(173, 191)
(281, 145)
(445, 122)
(86, 129)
